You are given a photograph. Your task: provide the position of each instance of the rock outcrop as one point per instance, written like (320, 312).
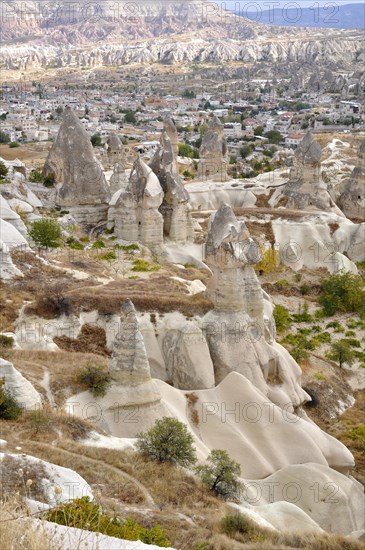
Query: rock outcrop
(133, 401)
(19, 387)
(306, 190)
(118, 180)
(175, 207)
(114, 150)
(7, 268)
(352, 198)
(240, 336)
(135, 211)
(82, 187)
(213, 151)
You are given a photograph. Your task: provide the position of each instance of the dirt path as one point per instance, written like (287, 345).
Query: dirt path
(147, 495)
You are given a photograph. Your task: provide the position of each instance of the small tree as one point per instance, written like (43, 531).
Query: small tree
(343, 292)
(282, 318)
(168, 441)
(220, 474)
(4, 137)
(46, 233)
(96, 140)
(342, 353)
(96, 379)
(130, 117)
(3, 169)
(9, 408)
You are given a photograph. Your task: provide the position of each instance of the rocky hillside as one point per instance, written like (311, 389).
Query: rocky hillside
(168, 32)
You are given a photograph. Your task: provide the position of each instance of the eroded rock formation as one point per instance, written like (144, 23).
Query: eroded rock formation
(114, 150)
(133, 401)
(305, 188)
(175, 207)
(82, 186)
(213, 151)
(19, 387)
(240, 336)
(118, 179)
(352, 198)
(135, 213)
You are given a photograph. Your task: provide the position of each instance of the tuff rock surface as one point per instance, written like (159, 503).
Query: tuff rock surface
(213, 152)
(135, 213)
(175, 206)
(82, 187)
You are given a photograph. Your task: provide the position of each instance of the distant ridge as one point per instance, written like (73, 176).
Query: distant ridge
(334, 16)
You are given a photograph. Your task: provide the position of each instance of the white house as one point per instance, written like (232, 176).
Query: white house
(293, 140)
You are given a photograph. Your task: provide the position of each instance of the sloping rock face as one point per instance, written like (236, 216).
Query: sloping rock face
(305, 188)
(19, 387)
(352, 198)
(213, 151)
(240, 336)
(135, 213)
(82, 186)
(175, 207)
(114, 150)
(133, 401)
(118, 180)
(6, 213)
(7, 269)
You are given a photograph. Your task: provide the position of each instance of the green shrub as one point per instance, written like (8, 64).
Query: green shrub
(109, 256)
(83, 514)
(96, 379)
(9, 408)
(350, 333)
(99, 243)
(319, 375)
(220, 474)
(323, 338)
(358, 433)
(36, 176)
(46, 232)
(302, 316)
(13, 144)
(144, 266)
(304, 289)
(282, 318)
(343, 292)
(6, 342)
(74, 244)
(168, 441)
(236, 523)
(333, 324)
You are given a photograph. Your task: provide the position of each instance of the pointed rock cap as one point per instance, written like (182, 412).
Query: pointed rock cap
(308, 151)
(73, 163)
(170, 129)
(214, 142)
(129, 363)
(224, 229)
(143, 181)
(114, 143)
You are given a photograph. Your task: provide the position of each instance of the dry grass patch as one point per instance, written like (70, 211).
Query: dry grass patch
(158, 293)
(168, 485)
(63, 367)
(18, 532)
(90, 340)
(11, 300)
(109, 481)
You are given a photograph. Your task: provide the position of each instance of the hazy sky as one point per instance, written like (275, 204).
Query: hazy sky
(230, 4)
